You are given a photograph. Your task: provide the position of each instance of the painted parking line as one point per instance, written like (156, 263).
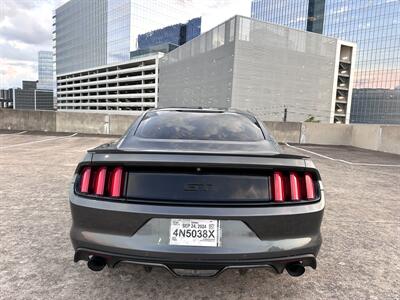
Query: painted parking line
(342, 160)
(39, 141)
(16, 133)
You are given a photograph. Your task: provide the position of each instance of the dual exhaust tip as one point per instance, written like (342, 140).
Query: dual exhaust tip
(97, 263)
(295, 269)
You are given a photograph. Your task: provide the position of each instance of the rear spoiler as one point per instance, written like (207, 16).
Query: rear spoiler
(104, 150)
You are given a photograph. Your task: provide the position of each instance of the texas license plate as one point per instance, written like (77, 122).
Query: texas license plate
(190, 232)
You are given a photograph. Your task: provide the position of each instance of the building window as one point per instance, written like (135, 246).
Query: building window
(244, 29)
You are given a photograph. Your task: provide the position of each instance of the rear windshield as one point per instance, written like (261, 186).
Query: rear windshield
(217, 126)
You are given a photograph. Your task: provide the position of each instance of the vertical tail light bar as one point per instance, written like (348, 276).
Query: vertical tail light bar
(99, 181)
(295, 191)
(115, 183)
(85, 180)
(279, 187)
(310, 188)
(293, 186)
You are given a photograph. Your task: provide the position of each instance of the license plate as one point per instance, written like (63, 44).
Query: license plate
(190, 232)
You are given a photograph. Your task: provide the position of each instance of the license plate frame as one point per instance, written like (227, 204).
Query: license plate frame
(195, 232)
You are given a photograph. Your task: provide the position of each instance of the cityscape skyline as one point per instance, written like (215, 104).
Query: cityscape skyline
(26, 28)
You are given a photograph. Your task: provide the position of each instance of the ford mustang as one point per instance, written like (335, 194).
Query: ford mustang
(197, 192)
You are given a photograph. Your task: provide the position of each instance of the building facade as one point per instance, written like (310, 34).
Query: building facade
(373, 25)
(31, 98)
(45, 70)
(262, 67)
(177, 34)
(6, 98)
(120, 87)
(161, 48)
(91, 33)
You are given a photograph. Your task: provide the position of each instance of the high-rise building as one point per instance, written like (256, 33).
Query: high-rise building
(32, 98)
(6, 98)
(262, 67)
(168, 38)
(45, 70)
(177, 34)
(373, 25)
(91, 33)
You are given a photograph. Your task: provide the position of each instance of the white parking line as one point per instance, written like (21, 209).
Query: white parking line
(40, 141)
(17, 133)
(341, 160)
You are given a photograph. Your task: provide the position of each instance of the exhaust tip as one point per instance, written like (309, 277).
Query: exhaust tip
(96, 263)
(295, 269)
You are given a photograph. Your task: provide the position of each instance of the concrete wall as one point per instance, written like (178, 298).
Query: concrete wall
(27, 120)
(83, 122)
(119, 124)
(390, 139)
(288, 132)
(95, 123)
(366, 136)
(326, 134)
(384, 138)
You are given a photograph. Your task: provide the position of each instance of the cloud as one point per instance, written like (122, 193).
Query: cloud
(24, 29)
(28, 22)
(12, 72)
(14, 51)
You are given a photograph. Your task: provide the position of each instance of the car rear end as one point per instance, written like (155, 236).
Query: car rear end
(197, 214)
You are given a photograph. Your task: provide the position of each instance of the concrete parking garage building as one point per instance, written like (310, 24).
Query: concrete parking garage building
(121, 87)
(262, 67)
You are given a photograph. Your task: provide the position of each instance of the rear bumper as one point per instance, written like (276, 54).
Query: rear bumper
(252, 236)
(277, 264)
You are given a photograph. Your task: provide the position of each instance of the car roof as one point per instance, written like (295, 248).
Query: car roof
(131, 142)
(200, 109)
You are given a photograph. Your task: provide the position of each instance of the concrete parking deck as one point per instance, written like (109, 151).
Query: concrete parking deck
(360, 255)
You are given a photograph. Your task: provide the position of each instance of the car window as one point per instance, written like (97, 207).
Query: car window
(218, 126)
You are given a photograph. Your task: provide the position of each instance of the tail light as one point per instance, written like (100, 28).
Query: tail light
(115, 182)
(294, 186)
(310, 189)
(279, 187)
(101, 181)
(85, 180)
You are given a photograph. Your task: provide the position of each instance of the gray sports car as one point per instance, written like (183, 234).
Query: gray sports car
(197, 192)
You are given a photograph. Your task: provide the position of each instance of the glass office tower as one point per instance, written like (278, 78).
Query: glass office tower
(118, 30)
(45, 70)
(374, 26)
(176, 34)
(292, 13)
(91, 33)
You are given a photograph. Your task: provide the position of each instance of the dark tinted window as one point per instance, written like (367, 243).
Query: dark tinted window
(198, 126)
